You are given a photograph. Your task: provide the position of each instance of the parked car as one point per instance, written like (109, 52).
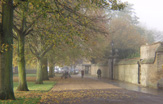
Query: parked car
(55, 71)
(76, 72)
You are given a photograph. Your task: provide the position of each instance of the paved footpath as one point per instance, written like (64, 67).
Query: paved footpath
(88, 90)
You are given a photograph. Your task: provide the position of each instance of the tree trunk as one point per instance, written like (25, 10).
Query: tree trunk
(44, 69)
(9, 75)
(2, 87)
(51, 72)
(21, 64)
(39, 79)
(51, 69)
(7, 36)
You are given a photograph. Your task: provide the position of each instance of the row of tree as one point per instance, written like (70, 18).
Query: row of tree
(44, 26)
(126, 33)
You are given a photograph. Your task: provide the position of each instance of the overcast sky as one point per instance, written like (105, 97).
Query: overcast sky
(150, 12)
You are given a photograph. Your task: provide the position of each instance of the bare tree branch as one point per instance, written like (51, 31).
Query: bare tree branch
(28, 32)
(19, 3)
(17, 12)
(34, 21)
(33, 50)
(46, 50)
(71, 10)
(16, 29)
(14, 35)
(15, 6)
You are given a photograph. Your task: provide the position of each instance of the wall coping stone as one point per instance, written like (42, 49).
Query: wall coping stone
(128, 61)
(152, 60)
(148, 61)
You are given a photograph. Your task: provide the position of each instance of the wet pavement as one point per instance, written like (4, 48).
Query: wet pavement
(90, 90)
(130, 86)
(137, 88)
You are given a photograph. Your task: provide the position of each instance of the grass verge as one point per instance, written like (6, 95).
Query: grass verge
(41, 87)
(30, 97)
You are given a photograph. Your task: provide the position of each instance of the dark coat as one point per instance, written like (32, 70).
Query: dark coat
(82, 72)
(98, 71)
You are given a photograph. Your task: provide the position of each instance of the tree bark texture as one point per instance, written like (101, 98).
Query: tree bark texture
(7, 36)
(51, 69)
(44, 69)
(2, 87)
(39, 79)
(21, 64)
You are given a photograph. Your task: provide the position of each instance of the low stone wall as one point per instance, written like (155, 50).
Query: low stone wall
(104, 70)
(126, 73)
(149, 72)
(126, 70)
(151, 64)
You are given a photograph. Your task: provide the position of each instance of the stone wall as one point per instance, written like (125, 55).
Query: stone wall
(126, 70)
(104, 70)
(148, 75)
(144, 73)
(159, 61)
(149, 51)
(151, 61)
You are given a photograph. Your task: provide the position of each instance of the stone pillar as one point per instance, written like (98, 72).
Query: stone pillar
(159, 61)
(113, 59)
(109, 68)
(116, 56)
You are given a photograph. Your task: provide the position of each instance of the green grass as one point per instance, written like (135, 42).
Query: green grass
(27, 75)
(41, 87)
(25, 97)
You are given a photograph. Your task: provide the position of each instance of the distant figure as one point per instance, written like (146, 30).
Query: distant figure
(66, 75)
(99, 73)
(69, 75)
(82, 73)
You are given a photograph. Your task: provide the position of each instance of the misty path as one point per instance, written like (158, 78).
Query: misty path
(78, 83)
(76, 90)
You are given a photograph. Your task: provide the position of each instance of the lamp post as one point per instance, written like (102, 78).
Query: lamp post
(112, 44)
(112, 56)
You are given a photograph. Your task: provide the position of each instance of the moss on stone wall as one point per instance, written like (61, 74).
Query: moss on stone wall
(128, 61)
(148, 61)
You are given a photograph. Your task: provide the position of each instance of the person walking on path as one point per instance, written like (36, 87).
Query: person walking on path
(99, 73)
(82, 73)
